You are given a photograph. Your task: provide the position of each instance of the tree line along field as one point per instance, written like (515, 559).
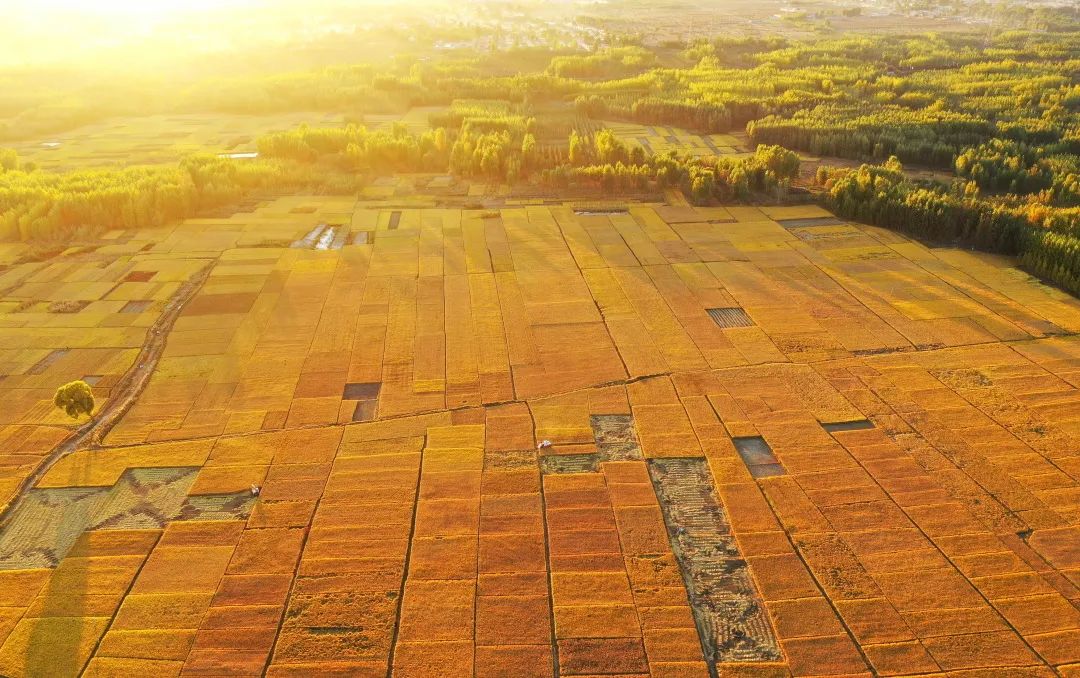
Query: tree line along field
(533, 348)
(1001, 114)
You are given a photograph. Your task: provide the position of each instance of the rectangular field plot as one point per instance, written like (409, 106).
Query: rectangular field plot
(731, 620)
(730, 317)
(657, 139)
(759, 457)
(860, 425)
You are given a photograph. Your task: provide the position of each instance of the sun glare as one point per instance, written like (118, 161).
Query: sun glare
(126, 7)
(86, 30)
(139, 9)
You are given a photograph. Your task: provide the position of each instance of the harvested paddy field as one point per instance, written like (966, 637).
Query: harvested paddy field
(539, 440)
(656, 139)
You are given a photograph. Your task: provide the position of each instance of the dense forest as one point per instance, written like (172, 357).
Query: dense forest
(48, 206)
(484, 145)
(603, 161)
(995, 115)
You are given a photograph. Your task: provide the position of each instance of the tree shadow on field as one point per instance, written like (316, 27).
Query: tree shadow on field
(58, 633)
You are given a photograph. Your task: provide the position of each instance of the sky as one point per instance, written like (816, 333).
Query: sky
(63, 31)
(98, 16)
(142, 8)
(142, 33)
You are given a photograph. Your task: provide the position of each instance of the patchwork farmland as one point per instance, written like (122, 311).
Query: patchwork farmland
(519, 339)
(539, 439)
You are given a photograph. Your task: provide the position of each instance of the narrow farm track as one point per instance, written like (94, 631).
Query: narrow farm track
(123, 395)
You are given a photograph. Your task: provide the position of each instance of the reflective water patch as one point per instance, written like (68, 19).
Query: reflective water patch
(366, 396)
(860, 425)
(758, 457)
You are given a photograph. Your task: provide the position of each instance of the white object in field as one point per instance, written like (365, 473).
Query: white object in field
(543, 444)
(255, 490)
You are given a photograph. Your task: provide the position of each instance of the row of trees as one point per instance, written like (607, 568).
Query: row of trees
(713, 98)
(41, 205)
(1054, 256)
(355, 148)
(1011, 79)
(1007, 166)
(601, 160)
(509, 152)
(1045, 238)
(699, 115)
(616, 62)
(931, 136)
(602, 148)
(493, 155)
(492, 148)
(9, 160)
(882, 194)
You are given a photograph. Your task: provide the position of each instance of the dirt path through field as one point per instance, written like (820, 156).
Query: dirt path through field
(123, 394)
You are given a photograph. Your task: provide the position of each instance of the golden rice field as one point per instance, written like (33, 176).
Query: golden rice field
(658, 139)
(543, 440)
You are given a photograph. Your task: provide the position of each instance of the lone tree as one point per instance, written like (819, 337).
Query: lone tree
(75, 398)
